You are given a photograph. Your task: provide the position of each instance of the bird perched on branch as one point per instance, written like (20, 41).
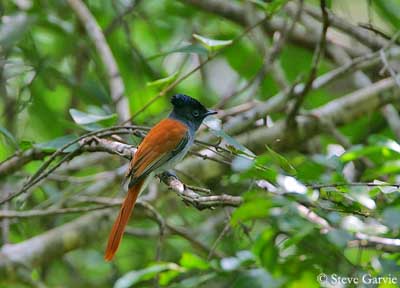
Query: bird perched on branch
(164, 146)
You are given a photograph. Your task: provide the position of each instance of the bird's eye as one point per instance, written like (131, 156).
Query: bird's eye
(196, 113)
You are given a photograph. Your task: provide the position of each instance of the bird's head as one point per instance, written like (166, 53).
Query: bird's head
(189, 110)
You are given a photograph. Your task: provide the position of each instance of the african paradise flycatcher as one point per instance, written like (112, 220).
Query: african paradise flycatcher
(164, 146)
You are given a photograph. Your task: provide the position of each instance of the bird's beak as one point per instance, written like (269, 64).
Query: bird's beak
(210, 112)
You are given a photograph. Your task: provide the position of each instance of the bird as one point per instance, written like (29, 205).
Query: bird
(164, 146)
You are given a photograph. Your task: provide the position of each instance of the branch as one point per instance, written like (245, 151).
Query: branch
(5, 214)
(318, 54)
(18, 160)
(175, 83)
(393, 119)
(44, 171)
(183, 191)
(115, 82)
(95, 144)
(269, 62)
(194, 199)
(363, 36)
(237, 13)
(54, 243)
(385, 244)
(243, 121)
(339, 112)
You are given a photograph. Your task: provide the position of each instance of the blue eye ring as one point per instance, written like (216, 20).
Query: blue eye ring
(196, 113)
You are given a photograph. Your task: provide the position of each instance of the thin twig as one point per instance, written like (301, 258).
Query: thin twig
(388, 67)
(219, 238)
(4, 214)
(319, 51)
(171, 86)
(269, 58)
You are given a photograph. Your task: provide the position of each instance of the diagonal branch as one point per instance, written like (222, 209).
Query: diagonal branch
(319, 51)
(115, 82)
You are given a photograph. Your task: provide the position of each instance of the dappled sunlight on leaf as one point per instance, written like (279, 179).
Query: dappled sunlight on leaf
(290, 184)
(212, 44)
(134, 277)
(90, 121)
(354, 224)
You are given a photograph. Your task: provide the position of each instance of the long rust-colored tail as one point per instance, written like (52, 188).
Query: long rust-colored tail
(118, 228)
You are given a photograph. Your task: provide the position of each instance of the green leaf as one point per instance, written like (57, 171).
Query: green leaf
(241, 163)
(25, 144)
(281, 161)
(357, 258)
(379, 145)
(195, 281)
(266, 251)
(253, 208)
(275, 6)
(391, 217)
(260, 3)
(271, 7)
(192, 48)
(167, 276)
(242, 258)
(7, 134)
(163, 82)
(340, 238)
(390, 10)
(231, 143)
(212, 44)
(389, 167)
(134, 277)
(256, 278)
(92, 122)
(361, 195)
(384, 188)
(291, 184)
(191, 261)
(12, 30)
(57, 143)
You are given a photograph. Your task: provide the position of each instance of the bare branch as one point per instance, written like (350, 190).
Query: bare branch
(318, 54)
(365, 37)
(116, 84)
(236, 13)
(4, 214)
(270, 57)
(54, 243)
(339, 112)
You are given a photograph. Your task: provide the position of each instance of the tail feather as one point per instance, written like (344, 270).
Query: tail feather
(118, 228)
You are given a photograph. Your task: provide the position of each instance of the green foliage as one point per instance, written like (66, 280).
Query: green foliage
(255, 207)
(92, 121)
(163, 82)
(212, 45)
(134, 277)
(389, 9)
(191, 261)
(15, 29)
(270, 7)
(57, 143)
(8, 136)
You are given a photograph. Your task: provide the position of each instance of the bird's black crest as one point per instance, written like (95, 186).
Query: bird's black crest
(180, 100)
